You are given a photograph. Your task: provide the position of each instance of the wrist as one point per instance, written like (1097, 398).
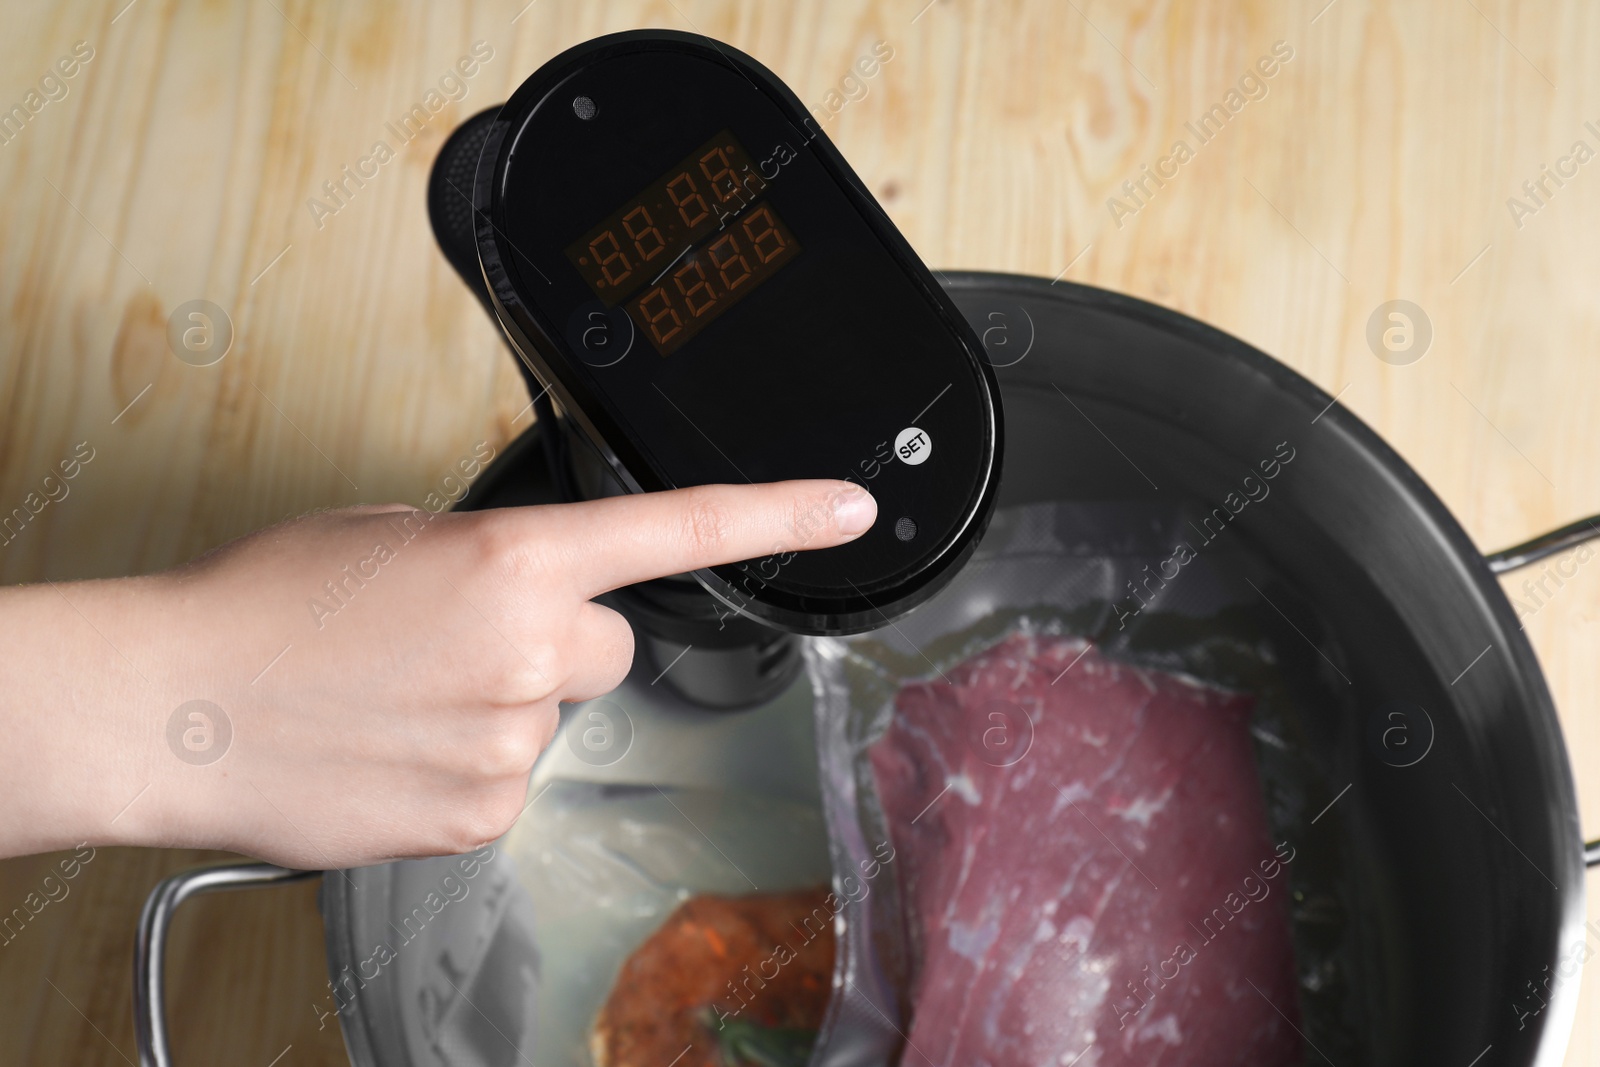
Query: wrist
(88, 749)
(74, 716)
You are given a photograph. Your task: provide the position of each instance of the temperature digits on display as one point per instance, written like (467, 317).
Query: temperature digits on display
(709, 280)
(689, 247)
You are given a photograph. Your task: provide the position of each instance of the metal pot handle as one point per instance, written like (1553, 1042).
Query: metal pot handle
(150, 945)
(1543, 547)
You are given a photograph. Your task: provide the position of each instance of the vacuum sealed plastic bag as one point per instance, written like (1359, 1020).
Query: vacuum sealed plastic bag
(1080, 777)
(679, 924)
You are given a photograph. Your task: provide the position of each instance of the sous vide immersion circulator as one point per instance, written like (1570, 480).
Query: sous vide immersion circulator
(692, 270)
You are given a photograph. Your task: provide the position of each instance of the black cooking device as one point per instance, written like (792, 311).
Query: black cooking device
(712, 296)
(1467, 863)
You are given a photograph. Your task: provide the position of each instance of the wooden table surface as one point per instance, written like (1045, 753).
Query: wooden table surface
(179, 160)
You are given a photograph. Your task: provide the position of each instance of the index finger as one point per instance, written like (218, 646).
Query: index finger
(622, 540)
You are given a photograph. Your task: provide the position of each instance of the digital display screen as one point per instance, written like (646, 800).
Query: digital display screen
(691, 245)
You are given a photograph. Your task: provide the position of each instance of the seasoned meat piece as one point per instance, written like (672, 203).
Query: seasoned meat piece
(725, 981)
(1110, 897)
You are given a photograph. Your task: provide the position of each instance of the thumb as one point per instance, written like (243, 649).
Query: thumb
(622, 540)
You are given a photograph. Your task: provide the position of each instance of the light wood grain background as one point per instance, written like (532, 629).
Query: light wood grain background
(179, 165)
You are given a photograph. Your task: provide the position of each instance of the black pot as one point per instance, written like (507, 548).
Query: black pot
(1468, 862)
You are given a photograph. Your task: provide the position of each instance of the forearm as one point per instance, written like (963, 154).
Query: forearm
(81, 729)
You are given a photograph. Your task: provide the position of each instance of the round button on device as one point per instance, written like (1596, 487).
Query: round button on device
(913, 446)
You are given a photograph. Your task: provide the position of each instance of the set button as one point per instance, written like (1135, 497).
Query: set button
(913, 446)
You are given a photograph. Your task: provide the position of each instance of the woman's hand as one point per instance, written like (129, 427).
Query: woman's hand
(385, 676)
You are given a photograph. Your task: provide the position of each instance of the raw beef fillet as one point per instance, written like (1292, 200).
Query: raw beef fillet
(1111, 897)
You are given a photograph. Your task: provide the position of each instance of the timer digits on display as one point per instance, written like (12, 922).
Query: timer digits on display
(690, 241)
(709, 280)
